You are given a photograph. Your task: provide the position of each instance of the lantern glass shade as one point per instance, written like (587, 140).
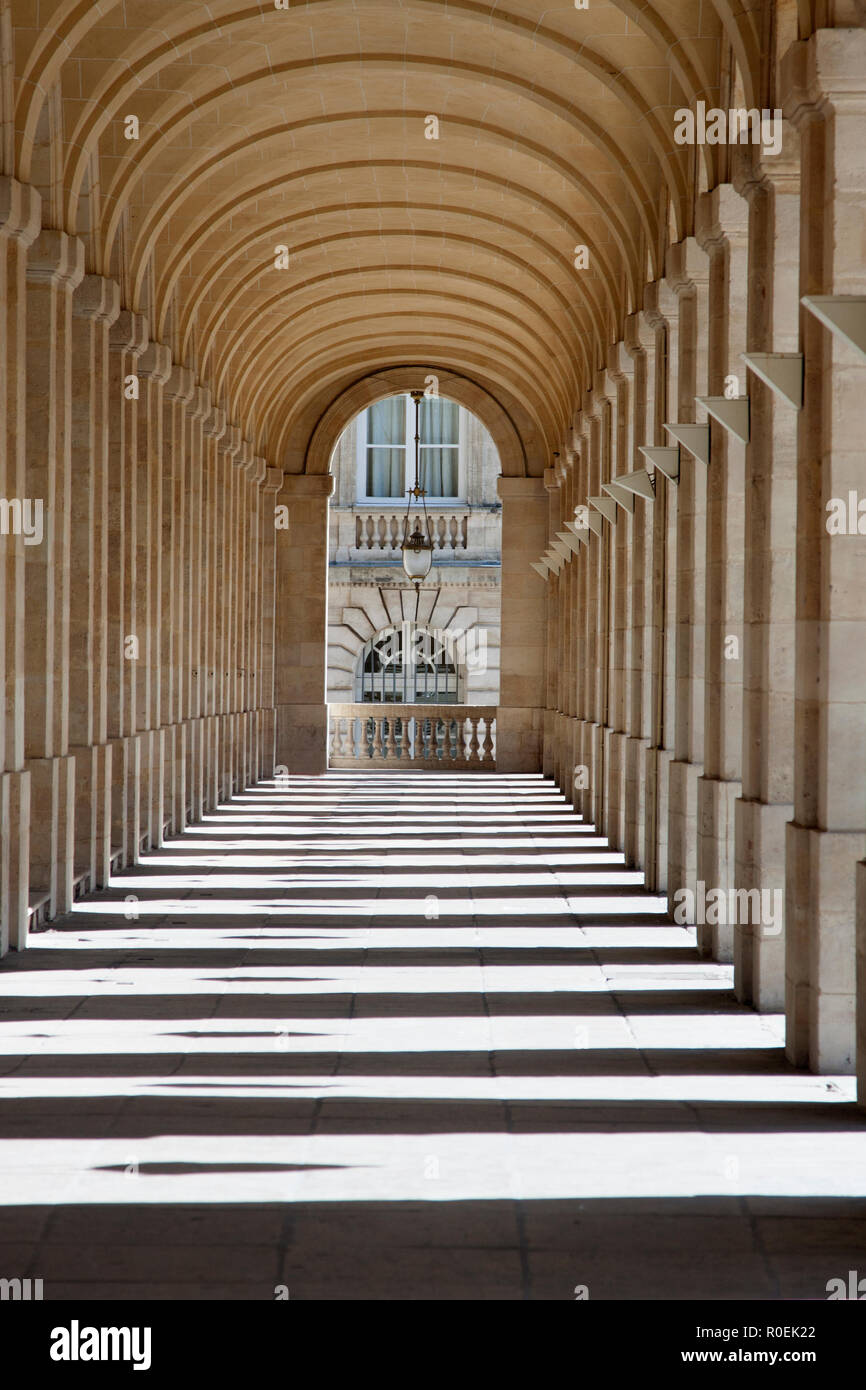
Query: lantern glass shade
(417, 554)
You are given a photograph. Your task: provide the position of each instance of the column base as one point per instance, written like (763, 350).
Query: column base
(821, 953)
(93, 813)
(717, 799)
(683, 780)
(52, 821)
(759, 950)
(519, 738)
(14, 860)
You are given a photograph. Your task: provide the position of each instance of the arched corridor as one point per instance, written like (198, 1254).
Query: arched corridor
(596, 923)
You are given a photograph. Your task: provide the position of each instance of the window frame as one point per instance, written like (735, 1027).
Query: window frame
(361, 495)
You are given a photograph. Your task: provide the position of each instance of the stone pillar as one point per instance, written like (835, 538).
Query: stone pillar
(127, 339)
(154, 369)
(762, 813)
(641, 771)
(523, 626)
(55, 265)
(270, 488)
(302, 623)
(824, 93)
(95, 307)
(620, 370)
(19, 226)
(552, 663)
(723, 228)
(198, 684)
(687, 275)
(178, 393)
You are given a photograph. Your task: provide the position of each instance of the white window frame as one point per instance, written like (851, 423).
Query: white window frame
(409, 461)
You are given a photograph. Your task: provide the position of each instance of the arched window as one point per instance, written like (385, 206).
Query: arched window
(409, 665)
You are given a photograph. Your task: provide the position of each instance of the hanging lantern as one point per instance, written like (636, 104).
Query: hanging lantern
(417, 546)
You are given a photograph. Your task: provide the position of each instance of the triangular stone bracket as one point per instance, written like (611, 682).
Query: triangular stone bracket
(571, 541)
(605, 506)
(640, 482)
(580, 533)
(595, 523)
(843, 314)
(552, 560)
(666, 459)
(541, 568)
(733, 414)
(623, 496)
(695, 438)
(563, 551)
(781, 371)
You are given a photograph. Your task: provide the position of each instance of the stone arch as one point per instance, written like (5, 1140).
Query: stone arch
(398, 381)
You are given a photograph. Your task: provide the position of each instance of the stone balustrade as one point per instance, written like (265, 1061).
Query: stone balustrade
(459, 737)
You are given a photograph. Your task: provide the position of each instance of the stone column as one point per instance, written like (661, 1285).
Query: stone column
(95, 307)
(154, 369)
(523, 626)
(723, 228)
(55, 265)
(824, 93)
(648, 517)
(127, 339)
(620, 370)
(302, 624)
(270, 489)
(552, 663)
(687, 275)
(196, 607)
(762, 813)
(19, 225)
(178, 393)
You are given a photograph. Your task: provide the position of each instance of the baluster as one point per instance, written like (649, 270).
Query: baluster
(453, 537)
(464, 532)
(374, 736)
(439, 734)
(359, 531)
(453, 740)
(370, 533)
(389, 743)
(399, 737)
(345, 737)
(426, 731)
(473, 740)
(378, 752)
(492, 728)
(487, 743)
(411, 739)
(466, 735)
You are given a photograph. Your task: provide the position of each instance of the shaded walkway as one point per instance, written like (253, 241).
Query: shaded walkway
(406, 1036)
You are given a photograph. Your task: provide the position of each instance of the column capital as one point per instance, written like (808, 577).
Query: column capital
(257, 470)
(520, 489)
(231, 442)
(214, 426)
(97, 298)
(20, 210)
(180, 385)
(551, 479)
(129, 333)
(824, 72)
(201, 403)
(640, 332)
(687, 265)
(155, 362)
(308, 485)
(55, 258)
(273, 480)
(722, 218)
(620, 364)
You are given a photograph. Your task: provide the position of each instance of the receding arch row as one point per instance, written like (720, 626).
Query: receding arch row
(242, 330)
(197, 240)
(272, 390)
(642, 198)
(72, 20)
(531, 275)
(108, 97)
(316, 437)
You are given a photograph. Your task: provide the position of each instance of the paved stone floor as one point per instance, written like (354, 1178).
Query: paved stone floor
(405, 1036)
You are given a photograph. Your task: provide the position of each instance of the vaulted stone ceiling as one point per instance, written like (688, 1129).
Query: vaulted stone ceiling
(308, 128)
